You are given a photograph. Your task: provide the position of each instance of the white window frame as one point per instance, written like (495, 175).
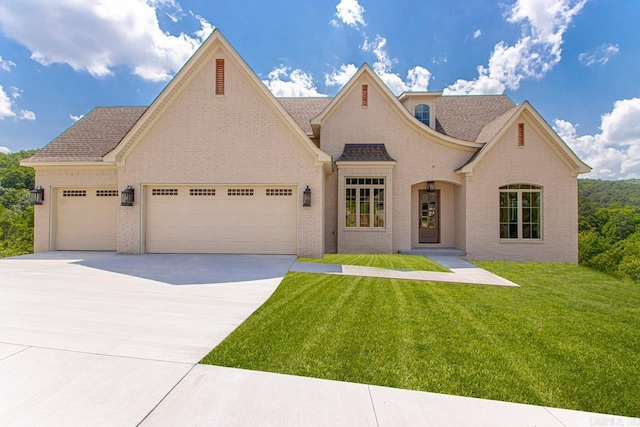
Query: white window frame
(520, 189)
(357, 184)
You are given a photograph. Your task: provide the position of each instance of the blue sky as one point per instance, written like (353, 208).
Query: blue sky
(576, 61)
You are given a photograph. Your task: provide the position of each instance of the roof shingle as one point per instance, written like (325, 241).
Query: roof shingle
(470, 118)
(304, 109)
(464, 116)
(365, 153)
(92, 136)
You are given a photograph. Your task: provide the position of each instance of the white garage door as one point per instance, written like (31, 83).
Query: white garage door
(221, 219)
(86, 218)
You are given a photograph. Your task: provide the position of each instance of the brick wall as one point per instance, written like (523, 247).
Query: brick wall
(237, 138)
(536, 163)
(420, 158)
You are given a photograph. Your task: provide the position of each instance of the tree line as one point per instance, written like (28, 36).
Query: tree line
(609, 226)
(16, 215)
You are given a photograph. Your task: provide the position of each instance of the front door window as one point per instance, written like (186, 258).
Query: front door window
(429, 217)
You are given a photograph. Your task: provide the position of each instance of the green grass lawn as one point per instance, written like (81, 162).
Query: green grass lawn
(391, 261)
(569, 337)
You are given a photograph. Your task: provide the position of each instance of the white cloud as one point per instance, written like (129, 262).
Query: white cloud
(477, 33)
(15, 92)
(599, 55)
(614, 153)
(7, 106)
(4, 150)
(76, 118)
(538, 50)
(340, 77)
(6, 65)
(282, 81)
(96, 36)
(349, 12)
(417, 77)
(26, 115)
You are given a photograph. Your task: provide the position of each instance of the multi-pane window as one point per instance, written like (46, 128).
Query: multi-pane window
(364, 202)
(422, 113)
(520, 211)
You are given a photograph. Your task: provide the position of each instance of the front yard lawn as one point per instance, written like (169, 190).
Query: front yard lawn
(390, 261)
(569, 337)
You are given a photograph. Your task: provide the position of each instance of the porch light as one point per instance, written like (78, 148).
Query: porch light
(126, 199)
(431, 186)
(306, 197)
(37, 196)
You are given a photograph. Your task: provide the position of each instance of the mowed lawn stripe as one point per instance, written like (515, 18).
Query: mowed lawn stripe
(567, 338)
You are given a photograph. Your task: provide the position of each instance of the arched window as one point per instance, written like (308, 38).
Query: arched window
(521, 212)
(422, 113)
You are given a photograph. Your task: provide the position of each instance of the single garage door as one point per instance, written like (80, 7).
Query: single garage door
(221, 219)
(86, 219)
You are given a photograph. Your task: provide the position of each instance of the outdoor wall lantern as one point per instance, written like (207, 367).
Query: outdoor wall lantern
(431, 186)
(37, 196)
(126, 199)
(306, 197)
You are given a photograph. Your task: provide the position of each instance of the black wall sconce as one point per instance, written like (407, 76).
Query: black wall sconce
(37, 196)
(306, 197)
(126, 198)
(431, 186)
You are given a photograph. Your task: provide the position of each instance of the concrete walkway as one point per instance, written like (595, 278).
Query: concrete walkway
(461, 272)
(109, 340)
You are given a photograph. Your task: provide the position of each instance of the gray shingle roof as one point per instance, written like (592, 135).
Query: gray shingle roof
(464, 116)
(92, 136)
(471, 118)
(365, 153)
(493, 127)
(304, 109)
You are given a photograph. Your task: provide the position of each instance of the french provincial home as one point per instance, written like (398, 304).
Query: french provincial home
(217, 164)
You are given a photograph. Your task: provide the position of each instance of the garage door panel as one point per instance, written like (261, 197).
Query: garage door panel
(221, 219)
(86, 218)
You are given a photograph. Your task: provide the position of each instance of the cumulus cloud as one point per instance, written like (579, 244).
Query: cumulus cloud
(7, 106)
(477, 33)
(340, 77)
(349, 12)
(97, 36)
(282, 81)
(599, 55)
(4, 150)
(76, 118)
(614, 153)
(538, 50)
(26, 115)
(417, 77)
(6, 65)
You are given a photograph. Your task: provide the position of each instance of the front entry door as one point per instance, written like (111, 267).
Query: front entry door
(429, 217)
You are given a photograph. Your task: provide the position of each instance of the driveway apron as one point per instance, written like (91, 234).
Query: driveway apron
(100, 338)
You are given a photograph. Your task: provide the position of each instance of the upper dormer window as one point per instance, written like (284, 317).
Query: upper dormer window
(422, 113)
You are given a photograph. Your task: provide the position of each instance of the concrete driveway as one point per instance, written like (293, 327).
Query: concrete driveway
(99, 338)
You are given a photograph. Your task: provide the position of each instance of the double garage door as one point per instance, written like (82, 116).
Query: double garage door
(221, 219)
(183, 219)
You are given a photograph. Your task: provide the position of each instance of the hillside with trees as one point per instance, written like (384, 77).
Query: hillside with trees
(16, 215)
(609, 224)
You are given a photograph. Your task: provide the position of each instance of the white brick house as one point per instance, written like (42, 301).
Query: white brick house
(219, 165)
